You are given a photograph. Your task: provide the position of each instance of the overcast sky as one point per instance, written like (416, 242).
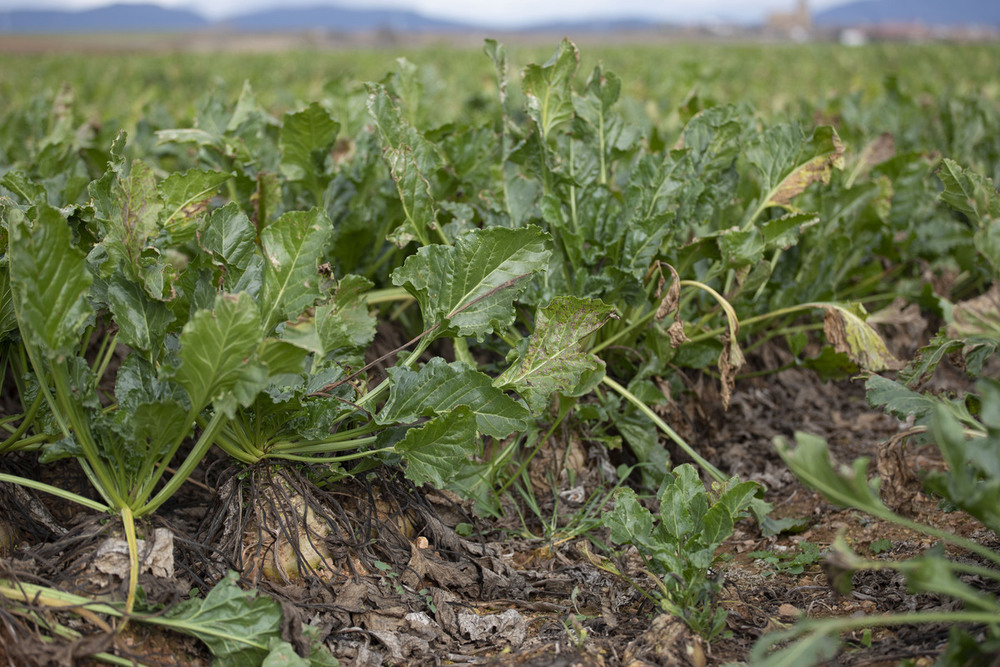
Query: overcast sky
(490, 12)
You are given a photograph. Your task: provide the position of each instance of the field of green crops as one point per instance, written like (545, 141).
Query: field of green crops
(292, 280)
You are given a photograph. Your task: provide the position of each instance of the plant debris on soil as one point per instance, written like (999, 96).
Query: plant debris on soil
(409, 590)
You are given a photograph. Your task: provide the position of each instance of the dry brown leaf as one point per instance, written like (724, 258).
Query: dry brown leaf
(671, 300)
(878, 150)
(851, 335)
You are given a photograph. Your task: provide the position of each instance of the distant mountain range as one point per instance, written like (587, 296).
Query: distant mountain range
(154, 18)
(927, 12)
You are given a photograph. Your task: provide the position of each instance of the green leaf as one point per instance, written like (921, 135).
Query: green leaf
(898, 400)
(293, 245)
(548, 89)
(49, 282)
(436, 451)
(344, 322)
(848, 332)
(969, 192)
(717, 526)
(8, 318)
(683, 502)
(977, 197)
(922, 367)
(231, 238)
(185, 196)
(237, 626)
(555, 359)
(784, 232)
(467, 289)
(972, 480)
(216, 347)
(439, 387)
(142, 322)
(817, 646)
(419, 211)
(307, 137)
(847, 487)
(156, 426)
(629, 522)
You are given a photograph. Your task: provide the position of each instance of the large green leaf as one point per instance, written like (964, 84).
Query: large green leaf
(964, 190)
(130, 207)
(185, 195)
(8, 319)
(629, 522)
(977, 197)
(548, 89)
(468, 288)
(419, 212)
(306, 139)
(142, 322)
(436, 451)
(555, 359)
(439, 386)
(343, 322)
(218, 350)
(231, 238)
(293, 245)
(49, 281)
(236, 625)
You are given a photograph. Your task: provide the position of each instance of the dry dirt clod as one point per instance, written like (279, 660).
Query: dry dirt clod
(668, 641)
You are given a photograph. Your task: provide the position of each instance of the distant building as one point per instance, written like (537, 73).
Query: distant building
(795, 25)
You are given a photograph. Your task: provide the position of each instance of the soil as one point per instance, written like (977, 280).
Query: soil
(410, 591)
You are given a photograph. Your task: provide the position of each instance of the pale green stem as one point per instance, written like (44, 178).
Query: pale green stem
(326, 460)
(187, 467)
(55, 491)
(128, 523)
(388, 295)
(714, 472)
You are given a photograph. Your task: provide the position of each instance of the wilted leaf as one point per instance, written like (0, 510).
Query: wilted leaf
(731, 360)
(439, 387)
(880, 149)
(555, 359)
(977, 317)
(850, 334)
(670, 302)
(468, 288)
